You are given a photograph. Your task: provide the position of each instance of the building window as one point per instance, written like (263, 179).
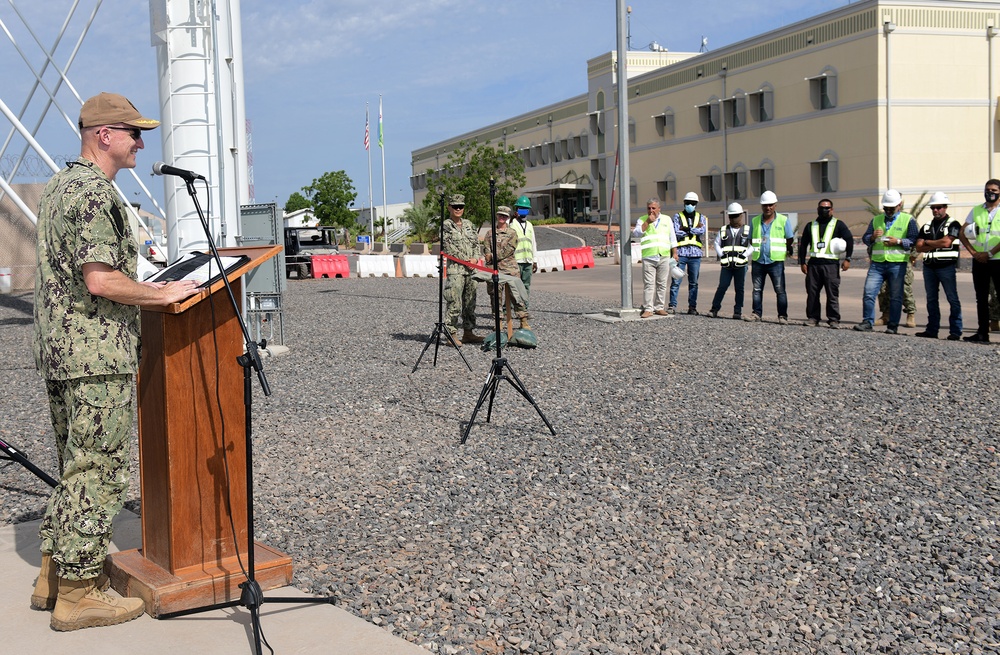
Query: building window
(665, 123)
(762, 104)
(711, 186)
(596, 122)
(708, 116)
(735, 110)
(824, 173)
(761, 179)
(736, 184)
(633, 192)
(666, 189)
(823, 89)
(631, 131)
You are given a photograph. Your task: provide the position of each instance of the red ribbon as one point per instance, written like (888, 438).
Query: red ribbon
(470, 264)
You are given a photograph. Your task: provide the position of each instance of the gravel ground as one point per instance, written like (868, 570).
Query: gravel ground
(827, 492)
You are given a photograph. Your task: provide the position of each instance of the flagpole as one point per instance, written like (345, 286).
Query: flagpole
(371, 207)
(385, 228)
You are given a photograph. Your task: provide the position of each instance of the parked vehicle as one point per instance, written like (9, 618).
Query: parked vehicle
(302, 243)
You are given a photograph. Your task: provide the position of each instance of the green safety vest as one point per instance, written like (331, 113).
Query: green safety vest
(987, 231)
(691, 239)
(779, 244)
(656, 240)
(826, 252)
(885, 253)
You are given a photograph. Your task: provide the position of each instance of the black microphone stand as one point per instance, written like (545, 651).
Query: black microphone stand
(440, 327)
(252, 597)
(499, 362)
(14, 455)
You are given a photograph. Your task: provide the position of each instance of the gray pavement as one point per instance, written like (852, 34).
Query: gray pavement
(288, 628)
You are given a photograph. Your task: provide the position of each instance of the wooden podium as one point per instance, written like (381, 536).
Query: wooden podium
(192, 457)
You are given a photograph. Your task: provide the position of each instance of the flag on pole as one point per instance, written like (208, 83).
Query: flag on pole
(380, 121)
(367, 142)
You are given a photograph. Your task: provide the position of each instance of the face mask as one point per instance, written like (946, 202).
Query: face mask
(522, 211)
(690, 208)
(824, 212)
(990, 196)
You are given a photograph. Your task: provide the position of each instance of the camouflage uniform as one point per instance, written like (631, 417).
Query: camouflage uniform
(909, 302)
(506, 245)
(462, 242)
(86, 348)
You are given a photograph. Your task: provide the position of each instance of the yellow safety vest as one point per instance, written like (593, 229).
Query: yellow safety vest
(826, 252)
(656, 240)
(525, 252)
(987, 231)
(691, 239)
(779, 244)
(886, 253)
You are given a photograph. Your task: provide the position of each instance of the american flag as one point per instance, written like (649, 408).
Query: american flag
(367, 141)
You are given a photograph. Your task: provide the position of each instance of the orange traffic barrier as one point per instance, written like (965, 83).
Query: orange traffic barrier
(331, 266)
(574, 258)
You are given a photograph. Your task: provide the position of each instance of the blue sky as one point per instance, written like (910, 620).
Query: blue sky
(443, 67)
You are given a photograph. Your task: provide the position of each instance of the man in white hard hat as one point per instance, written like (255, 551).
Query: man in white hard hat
(733, 247)
(891, 235)
(772, 236)
(823, 268)
(659, 252)
(689, 226)
(985, 249)
(939, 242)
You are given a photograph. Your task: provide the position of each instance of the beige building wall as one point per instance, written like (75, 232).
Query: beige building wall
(911, 104)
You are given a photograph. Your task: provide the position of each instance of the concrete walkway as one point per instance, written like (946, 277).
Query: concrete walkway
(300, 629)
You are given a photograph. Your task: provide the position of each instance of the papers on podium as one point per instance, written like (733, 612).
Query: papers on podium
(198, 266)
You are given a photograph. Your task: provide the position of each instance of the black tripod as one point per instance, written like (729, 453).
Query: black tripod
(440, 328)
(251, 597)
(14, 455)
(500, 362)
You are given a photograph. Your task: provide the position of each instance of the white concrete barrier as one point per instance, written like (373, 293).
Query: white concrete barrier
(419, 265)
(636, 253)
(376, 266)
(6, 280)
(549, 260)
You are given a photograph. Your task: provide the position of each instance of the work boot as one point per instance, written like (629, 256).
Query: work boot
(883, 320)
(454, 336)
(47, 585)
(469, 337)
(524, 323)
(81, 604)
(646, 314)
(911, 320)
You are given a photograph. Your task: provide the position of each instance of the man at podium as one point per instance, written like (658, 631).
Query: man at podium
(86, 345)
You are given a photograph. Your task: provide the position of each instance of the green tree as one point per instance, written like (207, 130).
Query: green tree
(331, 197)
(295, 202)
(421, 220)
(468, 171)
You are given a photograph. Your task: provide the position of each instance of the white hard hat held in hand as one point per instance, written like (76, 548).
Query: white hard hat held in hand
(838, 246)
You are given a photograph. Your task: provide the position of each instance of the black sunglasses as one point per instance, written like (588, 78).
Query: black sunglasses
(457, 206)
(134, 132)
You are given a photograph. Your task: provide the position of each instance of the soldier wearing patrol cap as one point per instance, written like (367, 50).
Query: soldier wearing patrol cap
(86, 344)
(506, 263)
(461, 241)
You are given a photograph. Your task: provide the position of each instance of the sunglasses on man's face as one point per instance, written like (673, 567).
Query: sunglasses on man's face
(134, 132)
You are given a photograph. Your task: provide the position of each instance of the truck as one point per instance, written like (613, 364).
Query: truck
(303, 243)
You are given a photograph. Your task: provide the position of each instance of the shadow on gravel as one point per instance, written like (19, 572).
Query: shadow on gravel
(382, 297)
(17, 304)
(422, 338)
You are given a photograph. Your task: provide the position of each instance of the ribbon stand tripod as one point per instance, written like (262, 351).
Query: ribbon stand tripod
(439, 328)
(12, 454)
(251, 597)
(500, 363)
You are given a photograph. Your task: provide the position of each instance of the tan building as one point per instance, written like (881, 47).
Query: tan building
(876, 94)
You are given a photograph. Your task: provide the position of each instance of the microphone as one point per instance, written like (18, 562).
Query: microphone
(160, 168)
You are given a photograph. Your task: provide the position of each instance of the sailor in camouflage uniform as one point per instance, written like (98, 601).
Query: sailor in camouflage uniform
(461, 240)
(507, 240)
(86, 344)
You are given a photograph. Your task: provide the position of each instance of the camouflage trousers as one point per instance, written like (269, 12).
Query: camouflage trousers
(92, 418)
(460, 301)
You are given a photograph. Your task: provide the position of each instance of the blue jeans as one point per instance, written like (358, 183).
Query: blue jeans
(895, 274)
(693, 266)
(945, 277)
(730, 274)
(775, 271)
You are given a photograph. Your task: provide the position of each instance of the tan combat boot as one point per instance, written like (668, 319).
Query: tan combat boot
(911, 320)
(883, 320)
(469, 337)
(81, 604)
(47, 585)
(524, 323)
